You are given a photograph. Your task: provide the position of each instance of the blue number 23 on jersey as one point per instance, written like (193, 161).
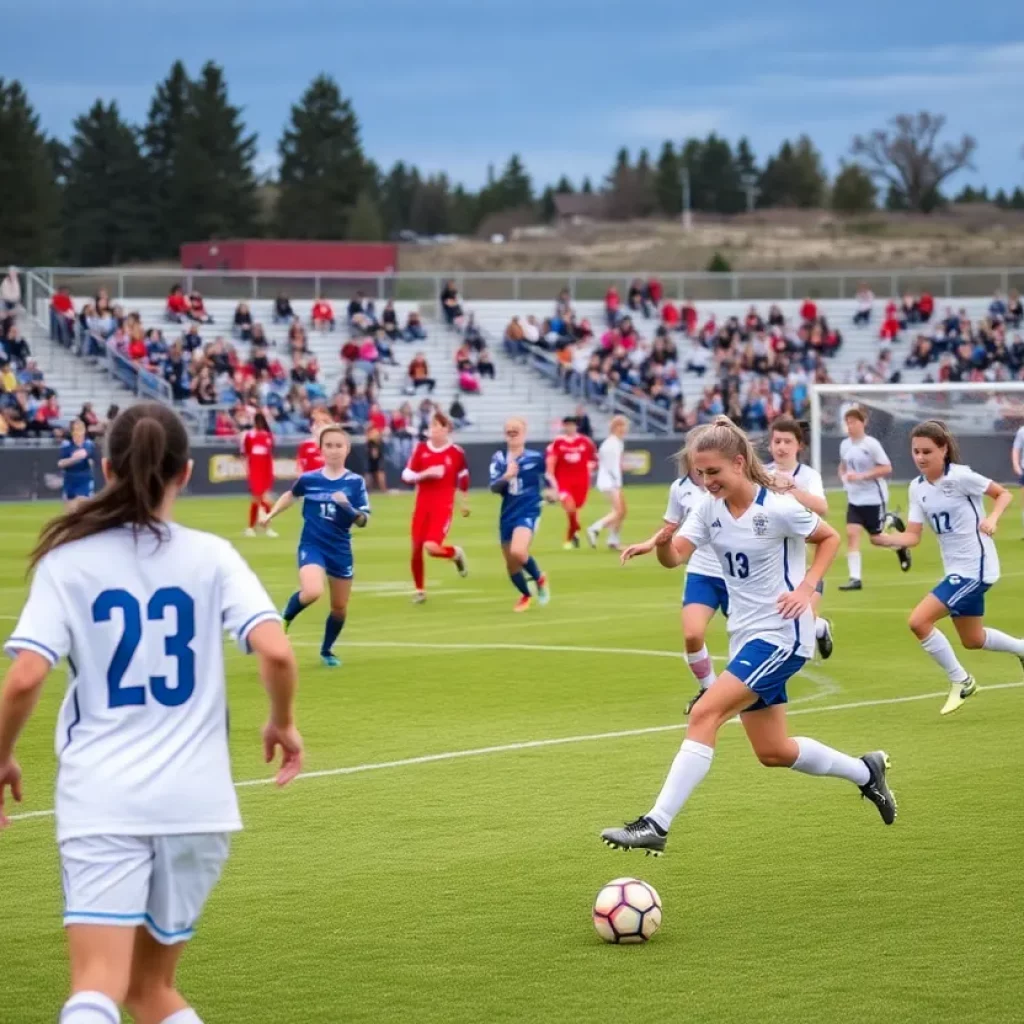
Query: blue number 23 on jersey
(175, 646)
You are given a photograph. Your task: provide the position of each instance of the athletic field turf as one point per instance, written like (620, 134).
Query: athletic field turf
(441, 864)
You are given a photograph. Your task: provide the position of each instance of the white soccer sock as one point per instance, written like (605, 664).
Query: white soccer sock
(613, 536)
(688, 769)
(819, 627)
(597, 527)
(186, 1016)
(853, 561)
(817, 759)
(936, 644)
(90, 1008)
(700, 666)
(995, 640)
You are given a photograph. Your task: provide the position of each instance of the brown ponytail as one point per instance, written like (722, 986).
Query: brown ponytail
(723, 436)
(937, 431)
(147, 449)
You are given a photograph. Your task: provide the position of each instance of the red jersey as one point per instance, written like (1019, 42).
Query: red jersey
(573, 456)
(309, 457)
(439, 492)
(258, 448)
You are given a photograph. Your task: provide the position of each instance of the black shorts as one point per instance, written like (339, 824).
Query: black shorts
(871, 517)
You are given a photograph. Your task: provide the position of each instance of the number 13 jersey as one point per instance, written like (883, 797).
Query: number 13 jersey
(762, 555)
(142, 735)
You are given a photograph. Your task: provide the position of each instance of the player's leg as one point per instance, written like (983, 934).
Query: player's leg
(595, 528)
(153, 997)
(106, 888)
(572, 517)
(930, 610)
(436, 540)
(341, 590)
(312, 580)
(853, 559)
(514, 567)
(265, 505)
(822, 626)
(254, 511)
(618, 500)
(702, 597)
(522, 537)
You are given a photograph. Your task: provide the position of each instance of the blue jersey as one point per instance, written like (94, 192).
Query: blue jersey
(521, 497)
(327, 523)
(83, 468)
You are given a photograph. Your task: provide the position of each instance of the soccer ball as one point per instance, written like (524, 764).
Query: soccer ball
(627, 910)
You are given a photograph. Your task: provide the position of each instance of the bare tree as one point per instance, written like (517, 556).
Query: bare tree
(910, 158)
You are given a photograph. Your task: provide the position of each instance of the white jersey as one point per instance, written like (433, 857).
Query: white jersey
(609, 463)
(953, 509)
(861, 457)
(683, 495)
(807, 478)
(762, 555)
(142, 735)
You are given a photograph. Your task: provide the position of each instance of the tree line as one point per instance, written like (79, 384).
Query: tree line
(118, 192)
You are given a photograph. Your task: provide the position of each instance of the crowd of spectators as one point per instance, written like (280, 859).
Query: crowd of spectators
(755, 367)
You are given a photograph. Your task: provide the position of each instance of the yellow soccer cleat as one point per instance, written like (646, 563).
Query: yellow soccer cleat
(958, 694)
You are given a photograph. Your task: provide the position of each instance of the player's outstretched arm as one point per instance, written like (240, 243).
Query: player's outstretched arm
(909, 538)
(282, 504)
(1002, 499)
(22, 686)
(647, 546)
(280, 676)
(673, 551)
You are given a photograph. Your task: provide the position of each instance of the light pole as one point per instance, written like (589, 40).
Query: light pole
(749, 183)
(684, 180)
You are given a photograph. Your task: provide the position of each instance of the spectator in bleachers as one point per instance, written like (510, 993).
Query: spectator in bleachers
(457, 414)
(47, 415)
(359, 314)
(865, 303)
(99, 326)
(192, 340)
(156, 347)
(419, 376)
(203, 389)
(102, 303)
(808, 310)
(469, 383)
(176, 372)
(10, 291)
(1014, 310)
(389, 321)
(94, 426)
(423, 416)
(654, 293)
(472, 335)
(197, 309)
(997, 308)
(368, 359)
(16, 422)
(385, 352)
(670, 316)
(178, 306)
(241, 327)
(463, 357)
(636, 298)
(925, 307)
(283, 312)
(15, 346)
(484, 364)
(563, 304)
(63, 316)
(322, 316)
(136, 351)
(612, 306)
(890, 330)
(414, 329)
(451, 306)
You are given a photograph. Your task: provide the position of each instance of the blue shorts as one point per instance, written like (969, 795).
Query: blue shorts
(765, 669)
(337, 564)
(75, 488)
(709, 591)
(506, 527)
(962, 596)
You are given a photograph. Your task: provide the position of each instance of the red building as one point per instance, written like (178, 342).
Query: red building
(302, 257)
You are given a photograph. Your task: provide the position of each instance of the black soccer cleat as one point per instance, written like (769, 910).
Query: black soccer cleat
(904, 556)
(876, 789)
(641, 834)
(825, 644)
(700, 693)
(893, 521)
(851, 585)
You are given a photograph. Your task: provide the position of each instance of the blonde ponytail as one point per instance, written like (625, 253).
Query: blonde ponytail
(723, 436)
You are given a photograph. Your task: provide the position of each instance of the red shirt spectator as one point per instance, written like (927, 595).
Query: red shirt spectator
(926, 306)
(137, 349)
(48, 411)
(323, 313)
(177, 303)
(223, 426)
(809, 311)
(655, 291)
(689, 312)
(378, 419)
(670, 315)
(890, 328)
(612, 300)
(197, 307)
(891, 309)
(63, 304)
(399, 423)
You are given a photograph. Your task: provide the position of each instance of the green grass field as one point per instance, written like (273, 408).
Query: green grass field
(459, 889)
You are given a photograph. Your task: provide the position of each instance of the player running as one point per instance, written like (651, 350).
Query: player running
(258, 449)
(78, 461)
(334, 499)
(759, 538)
(1015, 458)
(786, 438)
(308, 456)
(704, 592)
(438, 469)
(863, 468)
(145, 803)
(571, 459)
(609, 481)
(518, 475)
(948, 497)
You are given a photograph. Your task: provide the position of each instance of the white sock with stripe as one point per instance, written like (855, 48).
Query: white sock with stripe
(853, 562)
(186, 1016)
(936, 644)
(995, 640)
(701, 667)
(90, 1008)
(688, 769)
(820, 625)
(817, 759)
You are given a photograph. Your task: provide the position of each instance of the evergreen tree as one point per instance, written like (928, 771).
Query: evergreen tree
(794, 176)
(365, 222)
(746, 162)
(853, 191)
(667, 187)
(161, 139)
(587, 188)
(463, 212)
(107, 198)
(29, 196)
(547, 205)
(1002, 200)
(396, 195)
(323, 170)
(564, 186)
(213, 189)
(718, 188)
(645, 200)
(1017, 199)
(509, 192)
(621, 198)
(431, 206)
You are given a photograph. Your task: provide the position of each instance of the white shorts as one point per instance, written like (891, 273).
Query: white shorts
(607, 484)
(161, 882)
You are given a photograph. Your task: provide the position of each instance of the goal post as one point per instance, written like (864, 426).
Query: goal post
(983, 417)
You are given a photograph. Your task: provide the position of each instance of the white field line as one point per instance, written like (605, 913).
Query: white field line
(505, 748)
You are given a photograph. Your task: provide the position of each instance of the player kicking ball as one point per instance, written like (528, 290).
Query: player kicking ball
(518, 475)
(438, 470)
(571, 459)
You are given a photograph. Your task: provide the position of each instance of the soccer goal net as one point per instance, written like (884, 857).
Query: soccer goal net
(983, 417)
